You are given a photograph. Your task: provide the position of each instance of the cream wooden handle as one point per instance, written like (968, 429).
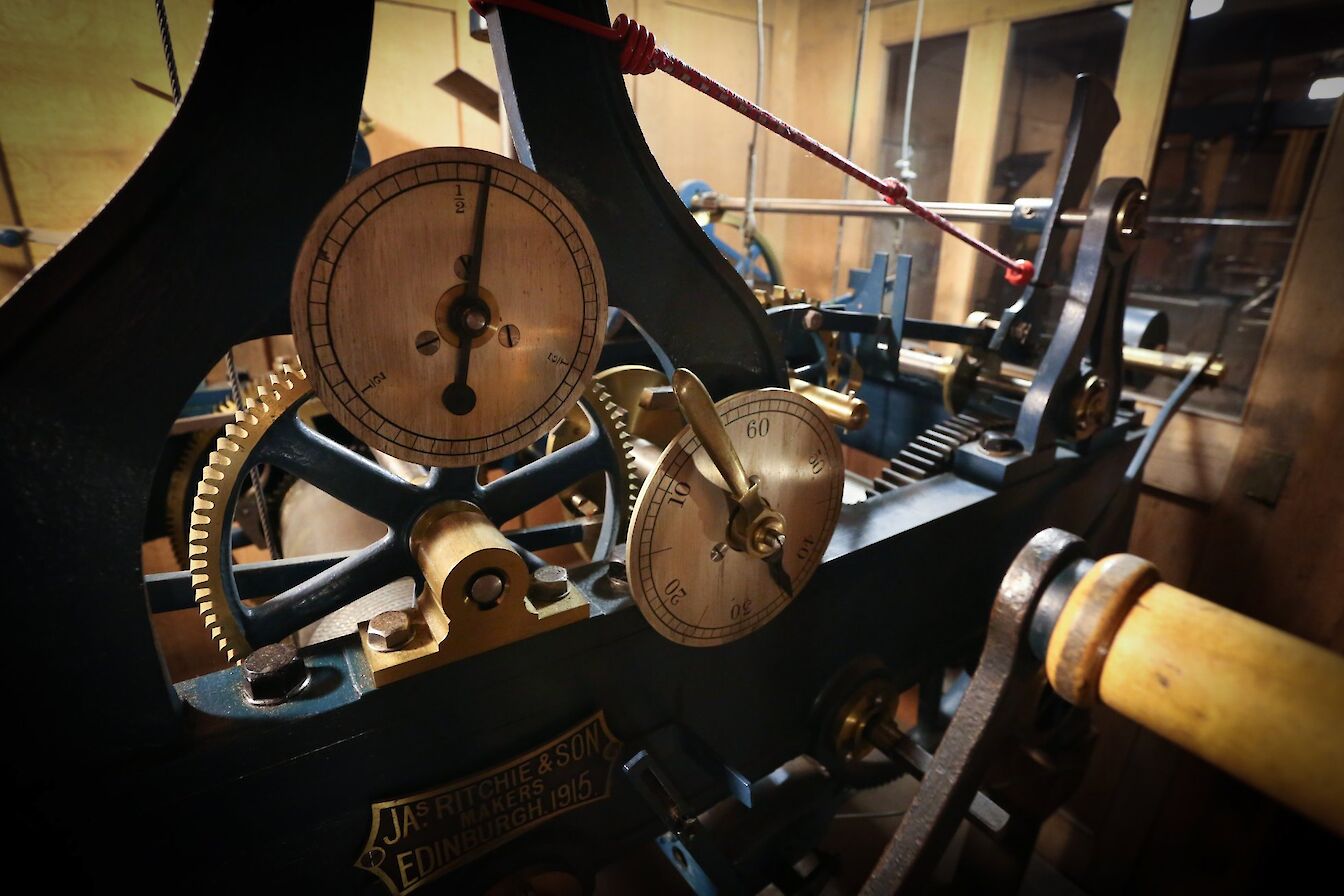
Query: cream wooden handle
(1258, 703)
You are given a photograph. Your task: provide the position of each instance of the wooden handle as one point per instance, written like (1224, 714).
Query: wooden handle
(1258, 703)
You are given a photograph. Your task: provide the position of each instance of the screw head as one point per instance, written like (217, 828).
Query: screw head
(390, 630)
(272, 674)
(550, 582)
(999, 444)
(812, 320)
(427, 342)
(487, 586)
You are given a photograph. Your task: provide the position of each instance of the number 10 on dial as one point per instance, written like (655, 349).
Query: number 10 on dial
(695, 583)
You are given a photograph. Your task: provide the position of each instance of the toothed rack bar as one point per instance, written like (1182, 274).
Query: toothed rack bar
(641, 55)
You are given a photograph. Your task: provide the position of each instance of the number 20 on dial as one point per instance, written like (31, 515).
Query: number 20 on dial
(689, 581)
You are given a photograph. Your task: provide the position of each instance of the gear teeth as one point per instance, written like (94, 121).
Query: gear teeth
(208, 538)
(182, 481)
(615, 415)
(931, 452)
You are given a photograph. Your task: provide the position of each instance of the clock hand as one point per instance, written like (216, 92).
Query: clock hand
(698, 409)
(469, 316)
(755, 527)
(478, 237)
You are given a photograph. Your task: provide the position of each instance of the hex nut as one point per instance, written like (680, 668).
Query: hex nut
(999, 444)
(272, 674)
(550, 582)
(390, 630)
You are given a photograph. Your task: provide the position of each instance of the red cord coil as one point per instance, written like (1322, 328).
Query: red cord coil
(638, 46)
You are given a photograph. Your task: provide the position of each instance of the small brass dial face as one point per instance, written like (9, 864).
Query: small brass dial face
(691, 584)
(450, 304)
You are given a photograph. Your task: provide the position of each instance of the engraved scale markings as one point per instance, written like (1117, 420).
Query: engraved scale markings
(362, 202)
(668, 551)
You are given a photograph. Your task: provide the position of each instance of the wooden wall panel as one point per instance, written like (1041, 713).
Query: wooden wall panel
(824, 86)
(1146, 65)
(693, 137)
(1283, 563)
(73, 125)
(413, 47)
(973, 159)
(823, 92)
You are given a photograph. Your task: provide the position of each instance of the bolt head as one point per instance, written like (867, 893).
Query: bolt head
(999, 444)
(390, 630)
(550, 582)
(812, 320)
(272, 674)
(617, 574)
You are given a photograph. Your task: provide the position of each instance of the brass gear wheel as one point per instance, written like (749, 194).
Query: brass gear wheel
(209, 534)
(182, 483)
(584, 497)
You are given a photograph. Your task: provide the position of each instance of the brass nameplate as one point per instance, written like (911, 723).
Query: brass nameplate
(418, 838)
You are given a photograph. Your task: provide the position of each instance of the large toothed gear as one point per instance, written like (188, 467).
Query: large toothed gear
(210, 523)
(585, 497)
(611, 416)
(181, 487)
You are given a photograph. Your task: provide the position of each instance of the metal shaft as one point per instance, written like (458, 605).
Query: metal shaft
(1015, 380)
(975, 212)
(972, 212)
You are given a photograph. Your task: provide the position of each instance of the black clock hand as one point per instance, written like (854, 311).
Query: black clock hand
(469, 315)
(478, 239)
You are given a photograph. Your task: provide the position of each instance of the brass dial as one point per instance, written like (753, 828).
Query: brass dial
(450, 305)
(698, 584)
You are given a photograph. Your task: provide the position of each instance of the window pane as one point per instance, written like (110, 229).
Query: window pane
(1045, 57)
(933, 120)
(1240, 143)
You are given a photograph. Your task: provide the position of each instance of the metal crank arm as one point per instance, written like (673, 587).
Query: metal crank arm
(1093, 117)
(1005, 679)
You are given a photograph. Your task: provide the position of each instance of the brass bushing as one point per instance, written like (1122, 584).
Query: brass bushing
(457, 546)
(841, 409)
(443, 312)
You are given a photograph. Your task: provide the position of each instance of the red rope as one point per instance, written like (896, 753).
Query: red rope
(641, 55)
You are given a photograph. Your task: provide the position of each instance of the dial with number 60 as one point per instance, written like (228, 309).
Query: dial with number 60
(692, 585)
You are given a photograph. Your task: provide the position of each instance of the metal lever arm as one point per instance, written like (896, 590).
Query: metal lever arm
(1091, 120)
(1004, 681)
(698, 409)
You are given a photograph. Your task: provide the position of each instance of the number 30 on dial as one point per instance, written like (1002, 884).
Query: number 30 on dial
(686, 577)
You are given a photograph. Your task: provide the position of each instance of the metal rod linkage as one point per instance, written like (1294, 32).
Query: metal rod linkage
(975, 212)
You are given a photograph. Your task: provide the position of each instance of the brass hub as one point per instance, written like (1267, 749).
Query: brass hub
(1090, 406)
(450, 316)
(464, 558)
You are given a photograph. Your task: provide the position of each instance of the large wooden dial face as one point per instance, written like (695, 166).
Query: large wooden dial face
(432, 251)
(692, 587)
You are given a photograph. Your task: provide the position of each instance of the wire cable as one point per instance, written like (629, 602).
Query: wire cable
(849, 142)
(749, 209)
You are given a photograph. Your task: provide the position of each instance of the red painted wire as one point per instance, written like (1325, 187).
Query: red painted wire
(641, 55)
